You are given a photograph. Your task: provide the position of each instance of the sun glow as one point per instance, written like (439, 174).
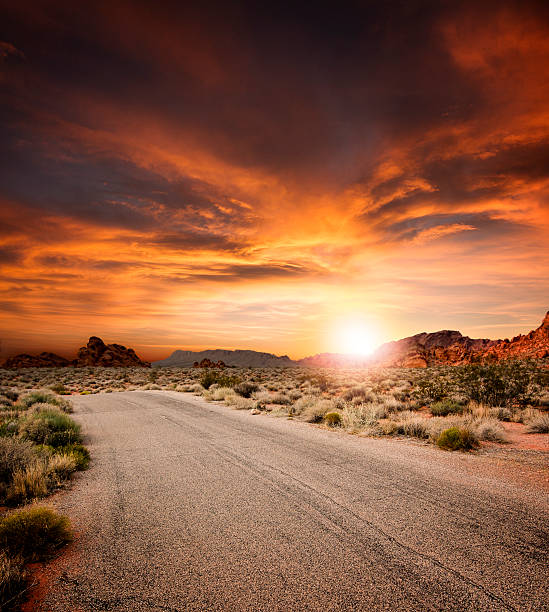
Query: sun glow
(356, 338)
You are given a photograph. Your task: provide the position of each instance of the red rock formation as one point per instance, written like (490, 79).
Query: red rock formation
(208, 363)
(97, 353)
(44, 360)
(452, 348)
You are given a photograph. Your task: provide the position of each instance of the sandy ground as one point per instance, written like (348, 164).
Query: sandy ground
(194, 506)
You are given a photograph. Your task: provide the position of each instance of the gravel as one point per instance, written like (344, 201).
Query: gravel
(193, 506)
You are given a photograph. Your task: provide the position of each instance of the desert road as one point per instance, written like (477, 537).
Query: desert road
(194, 506)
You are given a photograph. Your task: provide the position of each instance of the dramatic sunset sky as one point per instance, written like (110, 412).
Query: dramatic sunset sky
(254, 174)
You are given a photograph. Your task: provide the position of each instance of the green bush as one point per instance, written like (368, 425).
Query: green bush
(499, 384)
(79, 453)
(457, 438)
(446, 407)
(50, 427)
(58, 388)
(44, 397)
(211, 377)
(332, 419)
(33, 533)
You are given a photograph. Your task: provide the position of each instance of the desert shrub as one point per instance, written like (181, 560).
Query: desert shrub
(281, 399)
(332, 419)
(455, 438)
(446, 407)
(538, 424)
(416, 427)
(242, 403)
(431, 389)
(61, 466)
(79, 453)
(221, 393)
(362, 393)
(388, 427)
(392, 404)
(28, 483)
(50, 427)
(362, 416)
(315, 412)
(212, 377)
(245, 389)
(543, 400)
(12, 578)
(304, 403)
(44, 397)
(59, 388)
(33, 533)
(490, 430)
(498, 384)
(10, 394)
(14, 455)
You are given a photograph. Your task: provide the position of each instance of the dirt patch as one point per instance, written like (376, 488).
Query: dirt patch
(518, 438)
(43, 575)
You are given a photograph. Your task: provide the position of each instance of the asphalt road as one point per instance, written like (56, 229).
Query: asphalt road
(194, 506)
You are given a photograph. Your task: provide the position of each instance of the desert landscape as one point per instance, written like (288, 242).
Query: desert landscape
(274, 290)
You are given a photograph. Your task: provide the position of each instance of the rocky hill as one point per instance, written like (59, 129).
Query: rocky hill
(239, 358)
(452, 348)
(95, 353)
(446, 347)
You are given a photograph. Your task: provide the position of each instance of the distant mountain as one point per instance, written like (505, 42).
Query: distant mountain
(239, 358)
(95, 353)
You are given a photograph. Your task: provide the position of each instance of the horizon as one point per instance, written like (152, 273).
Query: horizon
(141, 351)
(176, 177)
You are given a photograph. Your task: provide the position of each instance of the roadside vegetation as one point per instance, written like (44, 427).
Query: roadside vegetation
(420, 403)
(40, 448)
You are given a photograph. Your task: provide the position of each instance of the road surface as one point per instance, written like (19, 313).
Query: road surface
(194, 506)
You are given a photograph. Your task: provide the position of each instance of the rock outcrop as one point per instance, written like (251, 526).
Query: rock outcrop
(95, 353)
(452, 348)
(208, 363)
(44, 360)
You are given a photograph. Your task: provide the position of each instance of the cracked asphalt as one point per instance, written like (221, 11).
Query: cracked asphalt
(190, 505)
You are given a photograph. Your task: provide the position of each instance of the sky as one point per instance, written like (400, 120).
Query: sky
(270, 175)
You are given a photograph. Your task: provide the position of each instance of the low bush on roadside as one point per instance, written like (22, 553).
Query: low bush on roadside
(50, 427)
(44, 397)
(33, 533)
(332, 419)
(315, 411)
(456, 438)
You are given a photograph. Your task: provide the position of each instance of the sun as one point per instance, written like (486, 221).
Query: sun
(356, 338)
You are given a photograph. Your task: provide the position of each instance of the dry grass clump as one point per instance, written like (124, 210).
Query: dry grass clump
(538, 424)
(359, 417)
(490, 430)
(316, 409)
